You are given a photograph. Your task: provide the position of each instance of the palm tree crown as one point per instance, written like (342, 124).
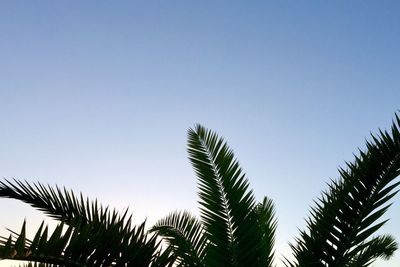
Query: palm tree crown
(233, 230)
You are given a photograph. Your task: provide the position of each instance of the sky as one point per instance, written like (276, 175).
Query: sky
(98, 96)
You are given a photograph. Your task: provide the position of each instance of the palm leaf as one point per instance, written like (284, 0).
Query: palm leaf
(60, 204)
(81, 245)
(44, 249)
(378, 247)
(185, 237)
(226, 203)
(347, 215)
(96, 235)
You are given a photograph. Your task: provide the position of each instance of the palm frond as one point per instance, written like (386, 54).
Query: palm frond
(266, 220)
(44, 249)
(378, 247)
(226, 202)
(60, 204)
(85, 245)
(348, 213)
(99, 236)
(185, 237)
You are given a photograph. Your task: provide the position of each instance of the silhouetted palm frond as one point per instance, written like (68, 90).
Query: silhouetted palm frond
(378, 247)
(60, 204)
(347, 215)
(94, 236)
(185, 237)
(227, 205)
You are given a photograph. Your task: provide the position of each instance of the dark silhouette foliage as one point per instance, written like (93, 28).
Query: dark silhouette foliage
(233, 229)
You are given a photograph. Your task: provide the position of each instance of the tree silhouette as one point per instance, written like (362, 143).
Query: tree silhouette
(233, 229)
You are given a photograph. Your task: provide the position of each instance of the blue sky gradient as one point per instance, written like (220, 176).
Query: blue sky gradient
(98, 96)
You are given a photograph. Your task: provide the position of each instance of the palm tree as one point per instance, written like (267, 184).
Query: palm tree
(233, 228)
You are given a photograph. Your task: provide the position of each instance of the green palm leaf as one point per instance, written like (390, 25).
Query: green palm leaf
(60, 204)
(378, 247)
(185, 237)
(226, 203)
(44, 248)
(348, 213)
(85, 246)
(95, 236)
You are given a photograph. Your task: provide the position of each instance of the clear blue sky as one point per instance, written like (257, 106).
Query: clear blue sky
(98, 96)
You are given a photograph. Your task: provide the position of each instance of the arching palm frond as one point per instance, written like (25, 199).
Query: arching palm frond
(185, 237)
(95, 236)
(60, 204)
(346, 216)
(226, 203)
